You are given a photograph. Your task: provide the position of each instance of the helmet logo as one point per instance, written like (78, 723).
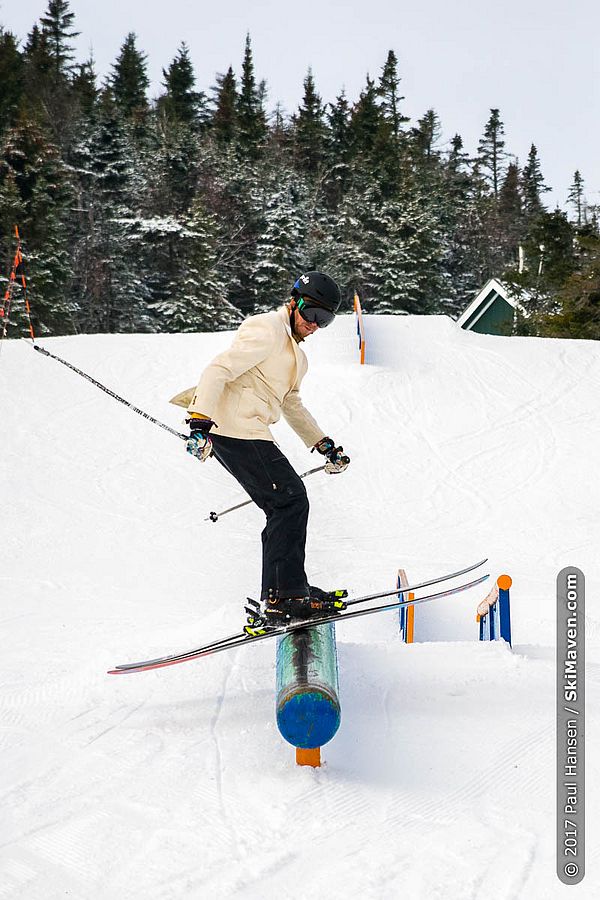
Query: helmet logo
(305, 279)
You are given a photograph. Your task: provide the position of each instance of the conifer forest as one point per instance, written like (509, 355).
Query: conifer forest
(191, 210)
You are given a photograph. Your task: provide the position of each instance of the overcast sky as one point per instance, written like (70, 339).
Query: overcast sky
(536, 60)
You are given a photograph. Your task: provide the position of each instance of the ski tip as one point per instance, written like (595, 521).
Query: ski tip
(125, 670)
(128, 671)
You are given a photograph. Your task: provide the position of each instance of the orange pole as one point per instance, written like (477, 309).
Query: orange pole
(410, 621)
(361, 330)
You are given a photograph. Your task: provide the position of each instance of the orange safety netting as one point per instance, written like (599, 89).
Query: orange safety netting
(17, 274)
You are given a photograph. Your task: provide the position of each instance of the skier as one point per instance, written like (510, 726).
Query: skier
(240, 393)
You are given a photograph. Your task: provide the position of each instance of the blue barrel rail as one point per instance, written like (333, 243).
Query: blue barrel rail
(308, 706)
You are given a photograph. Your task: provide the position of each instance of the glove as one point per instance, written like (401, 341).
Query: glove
(199, 443)
(336, 461)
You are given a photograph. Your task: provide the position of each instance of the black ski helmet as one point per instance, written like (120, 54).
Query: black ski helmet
(319, 287)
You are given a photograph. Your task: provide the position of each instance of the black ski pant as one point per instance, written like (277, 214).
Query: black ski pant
(269, 479)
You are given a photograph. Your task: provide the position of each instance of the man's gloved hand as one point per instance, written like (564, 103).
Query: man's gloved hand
(336, 461)
(199, 443)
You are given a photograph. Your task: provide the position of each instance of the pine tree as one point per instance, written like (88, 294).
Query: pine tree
(181, 102)
(338, 149)
(491, 150)
(11, 78)
(387, 250)
(185, 272)
(57, 26)
(338, 134)
(225, 120)
(280, 132)
(280, 245)
(309, 128)
(171, 167)
(510, 214)
(34, 185)
(461, 224)
(578, 299)
(365, 120)
(85, 89)
(532, 184)
(252, 125)
(390, 98)
(39, 64)
(576, 198)
(108, 271)
(129, 80)
(426, 135)
(458, 161)
(421, 158)
(38, 75)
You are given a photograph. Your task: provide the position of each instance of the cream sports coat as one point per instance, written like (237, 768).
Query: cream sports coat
(246, 388)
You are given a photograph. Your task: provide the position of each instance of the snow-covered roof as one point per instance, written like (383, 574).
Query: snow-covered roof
(484, 299)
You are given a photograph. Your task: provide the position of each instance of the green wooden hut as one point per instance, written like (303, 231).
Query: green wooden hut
(491, 312)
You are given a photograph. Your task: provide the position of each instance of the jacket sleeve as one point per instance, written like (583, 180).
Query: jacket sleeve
(252, 344)
(299, 418)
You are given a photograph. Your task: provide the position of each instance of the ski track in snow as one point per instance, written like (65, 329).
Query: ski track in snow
(170, 784)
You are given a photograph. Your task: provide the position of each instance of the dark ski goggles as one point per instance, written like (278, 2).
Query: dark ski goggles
(312, 312)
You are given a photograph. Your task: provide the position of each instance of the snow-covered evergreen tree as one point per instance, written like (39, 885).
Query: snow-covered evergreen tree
(280, 250)
(129, 80)
(532, 184)
(35, 187)
(57, 26)
(576, 197)
(389, 84)
(491, 154)
(251, 118)
(309, 128)
(193, 284)
(11, 78)
(224, 121)
(109, 279)
(181, 103)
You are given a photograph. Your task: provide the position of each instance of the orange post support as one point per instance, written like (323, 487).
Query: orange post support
(410, 621)
(360, 329)
(308, 757)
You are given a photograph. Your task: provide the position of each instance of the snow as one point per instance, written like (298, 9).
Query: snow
(176, 783)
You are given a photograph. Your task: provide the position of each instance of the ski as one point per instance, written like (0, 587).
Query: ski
(239, 640)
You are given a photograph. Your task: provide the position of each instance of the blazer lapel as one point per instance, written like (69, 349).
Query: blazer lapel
(299, 356)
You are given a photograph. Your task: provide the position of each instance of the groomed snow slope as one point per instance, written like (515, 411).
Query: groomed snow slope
(170, 784)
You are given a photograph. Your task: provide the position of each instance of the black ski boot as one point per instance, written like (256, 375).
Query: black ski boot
(284, 610)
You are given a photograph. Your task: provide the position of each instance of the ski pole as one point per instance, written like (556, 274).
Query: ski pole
(110, 393)
(214, 517)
